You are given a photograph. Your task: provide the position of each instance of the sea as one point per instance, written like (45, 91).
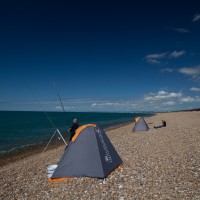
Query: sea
(24, 129)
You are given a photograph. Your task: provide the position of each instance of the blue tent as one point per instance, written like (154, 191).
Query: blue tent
(89, 154)
(140, 125)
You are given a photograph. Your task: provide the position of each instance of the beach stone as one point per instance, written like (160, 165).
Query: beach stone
(120, 186)
(142, 181)
(158, 164)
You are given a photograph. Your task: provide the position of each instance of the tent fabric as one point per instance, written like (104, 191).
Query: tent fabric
(140, 125)
(90, 155)
(78, 131)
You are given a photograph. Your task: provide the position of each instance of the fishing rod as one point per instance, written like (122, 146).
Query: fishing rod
(45, 112)
(50, 120)
(61, 103)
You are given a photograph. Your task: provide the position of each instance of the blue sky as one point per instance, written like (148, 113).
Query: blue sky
(120, 56)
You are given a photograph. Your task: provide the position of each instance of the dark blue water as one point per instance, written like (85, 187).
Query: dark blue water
(22, 129)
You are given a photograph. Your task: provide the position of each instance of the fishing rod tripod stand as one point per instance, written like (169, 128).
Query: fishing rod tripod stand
(58, 132)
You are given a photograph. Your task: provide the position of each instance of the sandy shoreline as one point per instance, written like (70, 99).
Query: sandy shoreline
(159, 164)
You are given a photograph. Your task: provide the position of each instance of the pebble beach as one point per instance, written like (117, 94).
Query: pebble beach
(161, 163)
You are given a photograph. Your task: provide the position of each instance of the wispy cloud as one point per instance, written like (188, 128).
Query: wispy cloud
(162, 92)
(196, 17)
(107, 104)
(162, 95)
(153, 61)
(190, 71)
(180, 30)
(169, 103)
(156, 55)
(194, 72)
(159, 101)
(59, 108)
(187, 99)
(176, 54)
(154, 58)
(170, 100)
(195, 89)
(163, 100)
(119, 105)
(157, 58)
